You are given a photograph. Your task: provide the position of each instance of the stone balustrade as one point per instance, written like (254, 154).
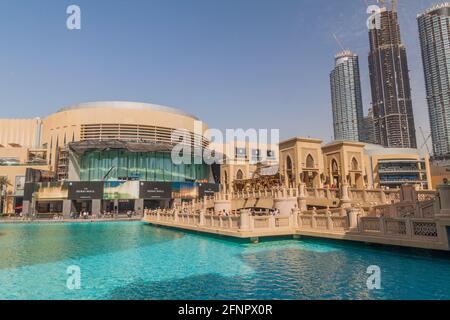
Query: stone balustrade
(407, 218)
(407, 228)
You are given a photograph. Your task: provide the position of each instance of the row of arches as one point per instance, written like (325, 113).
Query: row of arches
(310, 176)
(239, 176)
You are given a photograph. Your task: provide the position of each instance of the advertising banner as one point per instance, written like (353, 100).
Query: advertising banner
(184, 190)
(207, 189)
(155, 190)
(51, 191)
(121, 190)
(85, 190)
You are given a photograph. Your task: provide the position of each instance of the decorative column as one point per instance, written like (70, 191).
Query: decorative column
(244, 221)
(353, 218)
(202, 218)
(444, 201)
(330, 226)
(302, 197)
(294, 218)
(313, 218)
(345, 199)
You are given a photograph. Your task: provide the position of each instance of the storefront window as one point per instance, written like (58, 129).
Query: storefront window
(149, 166)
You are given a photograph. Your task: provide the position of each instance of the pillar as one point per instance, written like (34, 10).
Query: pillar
(353, 218)
(96, 206)
(444, 201)
(26, 208)
(139, 206)
(67, 208)
(244, 221)
(345, 199)
(302, 205)
(202, 218)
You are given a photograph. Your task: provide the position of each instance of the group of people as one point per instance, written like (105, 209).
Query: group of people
(221, 213)
(225, 213)
(102, 215)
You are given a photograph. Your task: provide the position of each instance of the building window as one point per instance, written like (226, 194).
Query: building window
(355, 165)
(241, 153)
(271, 155)
(310, 162)
(256, 155)
(239, 175)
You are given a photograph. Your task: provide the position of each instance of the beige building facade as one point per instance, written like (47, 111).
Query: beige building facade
(359, 165)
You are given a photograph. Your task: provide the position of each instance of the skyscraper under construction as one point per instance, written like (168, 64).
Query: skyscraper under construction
(389, 79)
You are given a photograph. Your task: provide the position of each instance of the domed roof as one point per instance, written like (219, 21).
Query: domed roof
(127, 105)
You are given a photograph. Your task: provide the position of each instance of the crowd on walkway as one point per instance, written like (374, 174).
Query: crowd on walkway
(102, 215)
(221, 213)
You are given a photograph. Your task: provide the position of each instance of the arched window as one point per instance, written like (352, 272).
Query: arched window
(239, 175)
(309, 161)
(289, 170)
(225, 176)
(355, 165)
(289, 164)
(334, 166)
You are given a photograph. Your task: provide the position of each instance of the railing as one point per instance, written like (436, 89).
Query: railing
(202, 219)
(328, 219)
(414, 229)
(361, 196)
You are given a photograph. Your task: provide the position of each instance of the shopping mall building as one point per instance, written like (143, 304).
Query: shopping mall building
(103, 156)
(117, 157)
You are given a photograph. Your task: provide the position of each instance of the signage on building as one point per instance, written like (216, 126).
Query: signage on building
(207, 189)
(85, 190)
(155, 190)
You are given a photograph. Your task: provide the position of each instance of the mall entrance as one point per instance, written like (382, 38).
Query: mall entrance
(157, 204)
(82, 206)
(118, 206)
(49, 207)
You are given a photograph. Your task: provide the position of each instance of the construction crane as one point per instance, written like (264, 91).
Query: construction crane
(394, 4)
(425, 143)
(338, 42)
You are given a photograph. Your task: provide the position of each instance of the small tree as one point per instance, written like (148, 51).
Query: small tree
(4, 183)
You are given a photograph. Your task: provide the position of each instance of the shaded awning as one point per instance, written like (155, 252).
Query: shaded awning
(82, 147)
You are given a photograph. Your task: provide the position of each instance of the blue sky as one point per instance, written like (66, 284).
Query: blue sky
(233, 63)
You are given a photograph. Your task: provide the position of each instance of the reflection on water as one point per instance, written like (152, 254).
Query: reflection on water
(36, 243)
(136, 261)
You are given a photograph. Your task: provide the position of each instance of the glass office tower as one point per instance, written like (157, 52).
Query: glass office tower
(346, 97)
(434, 30)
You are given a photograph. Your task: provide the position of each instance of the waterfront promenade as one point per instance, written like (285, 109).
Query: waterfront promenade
(415, 219)
(22, 220)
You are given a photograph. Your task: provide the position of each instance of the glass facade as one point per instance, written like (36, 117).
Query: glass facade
(346, 97)
(434, 29)
(142, 166)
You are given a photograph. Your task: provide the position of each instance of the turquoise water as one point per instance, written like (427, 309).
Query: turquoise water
(136, 261)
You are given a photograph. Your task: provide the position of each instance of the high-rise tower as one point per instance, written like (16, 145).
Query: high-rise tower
(434, 30)
(346, 97)
(389, 79)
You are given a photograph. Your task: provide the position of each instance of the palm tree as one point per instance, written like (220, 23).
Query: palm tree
(4, 183)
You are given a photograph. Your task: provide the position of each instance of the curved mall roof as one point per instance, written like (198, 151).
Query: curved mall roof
(127, 105)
